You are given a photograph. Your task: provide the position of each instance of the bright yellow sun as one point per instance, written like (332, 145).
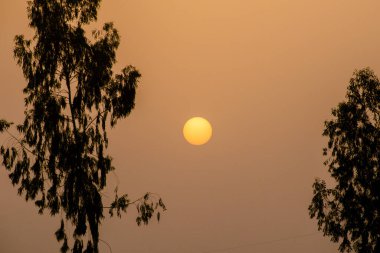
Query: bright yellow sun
(197, 131)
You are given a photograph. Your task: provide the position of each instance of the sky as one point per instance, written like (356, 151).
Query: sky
(265, 73)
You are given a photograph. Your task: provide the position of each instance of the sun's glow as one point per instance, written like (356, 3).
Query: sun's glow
(197, 131)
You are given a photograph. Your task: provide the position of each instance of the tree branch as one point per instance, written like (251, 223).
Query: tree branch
(19, 142)
(92, 121)
(67, 78)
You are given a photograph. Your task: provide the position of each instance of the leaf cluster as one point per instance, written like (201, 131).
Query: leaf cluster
(146, 206)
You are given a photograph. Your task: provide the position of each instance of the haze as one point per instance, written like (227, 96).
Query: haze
(265, 73)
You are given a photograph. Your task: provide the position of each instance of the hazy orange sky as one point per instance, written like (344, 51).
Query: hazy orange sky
(265, 73)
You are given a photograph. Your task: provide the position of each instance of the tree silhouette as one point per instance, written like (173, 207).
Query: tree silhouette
(71, 99)
(349, 213)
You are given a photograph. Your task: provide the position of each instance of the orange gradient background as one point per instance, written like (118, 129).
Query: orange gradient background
(266, 73)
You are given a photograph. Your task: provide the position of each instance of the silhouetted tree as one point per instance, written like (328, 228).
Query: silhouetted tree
(71, 97)
(349, 213)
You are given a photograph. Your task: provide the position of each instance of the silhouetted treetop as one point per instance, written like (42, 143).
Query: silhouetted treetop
(350, 211)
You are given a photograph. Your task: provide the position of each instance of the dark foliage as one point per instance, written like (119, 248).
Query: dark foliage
(71, 96)
(349, 213)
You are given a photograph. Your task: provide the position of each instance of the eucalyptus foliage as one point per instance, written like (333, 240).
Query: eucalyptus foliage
(349, 213)
(71, 99)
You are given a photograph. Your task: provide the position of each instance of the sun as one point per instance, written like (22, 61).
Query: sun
(197, 131)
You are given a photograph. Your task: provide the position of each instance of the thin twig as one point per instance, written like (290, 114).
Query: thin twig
(92, 121)
(21, 144)
(106, 243)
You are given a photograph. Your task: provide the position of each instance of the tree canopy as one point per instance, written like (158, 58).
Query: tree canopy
(72, 97)
(349, 213)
